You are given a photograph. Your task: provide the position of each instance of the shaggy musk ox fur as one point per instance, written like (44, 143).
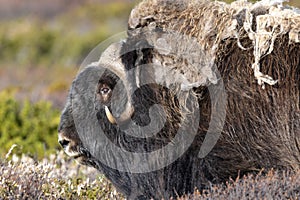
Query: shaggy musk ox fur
(256, 50)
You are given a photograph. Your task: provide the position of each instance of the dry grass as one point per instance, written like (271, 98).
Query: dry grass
(58, 177)
(54, 178)
(272, 185)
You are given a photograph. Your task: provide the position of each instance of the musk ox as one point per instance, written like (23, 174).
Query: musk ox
(198, 92)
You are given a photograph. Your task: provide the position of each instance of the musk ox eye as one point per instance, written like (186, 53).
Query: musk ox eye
(104, 93)
(104, 90)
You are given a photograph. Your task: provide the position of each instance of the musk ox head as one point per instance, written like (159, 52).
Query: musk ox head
(135, 117)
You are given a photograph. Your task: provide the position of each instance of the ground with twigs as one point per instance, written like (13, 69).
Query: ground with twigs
(58, 177)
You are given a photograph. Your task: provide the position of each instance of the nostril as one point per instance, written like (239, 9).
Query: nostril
(64, 143)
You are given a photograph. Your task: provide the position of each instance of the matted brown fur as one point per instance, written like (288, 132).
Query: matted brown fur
(212, 22)
(262, 126)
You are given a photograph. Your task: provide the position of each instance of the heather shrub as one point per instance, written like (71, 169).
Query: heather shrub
(58, 177)
(271, 184)
(54, 177)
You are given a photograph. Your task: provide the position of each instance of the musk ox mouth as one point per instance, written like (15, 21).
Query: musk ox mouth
(76, 151)
(69, 147)
(73, 154)
(73, 147)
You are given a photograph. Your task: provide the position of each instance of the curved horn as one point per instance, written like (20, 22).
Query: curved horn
(109, 116)
(111, 59)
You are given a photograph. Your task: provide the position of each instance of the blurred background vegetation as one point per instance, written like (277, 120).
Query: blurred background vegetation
(42, 44)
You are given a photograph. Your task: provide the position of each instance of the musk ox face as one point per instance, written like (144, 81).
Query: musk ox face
(69, 139)
(132, 109)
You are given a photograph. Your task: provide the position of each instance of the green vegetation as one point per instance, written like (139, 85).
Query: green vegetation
(31, 126)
